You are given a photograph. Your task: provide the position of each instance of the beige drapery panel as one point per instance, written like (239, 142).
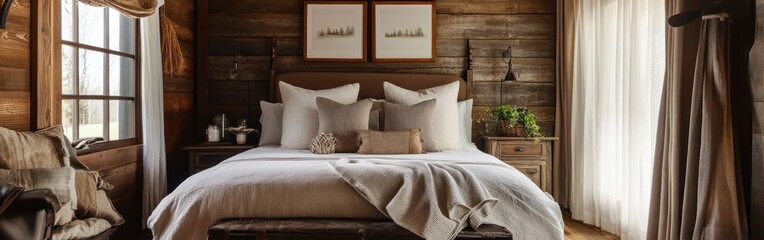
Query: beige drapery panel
(130, 8)
(696, 192)
(565, 36)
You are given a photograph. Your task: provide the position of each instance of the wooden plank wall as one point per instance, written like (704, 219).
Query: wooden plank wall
(249, 26)
(179, 93)
(15, 68)
(122, 168)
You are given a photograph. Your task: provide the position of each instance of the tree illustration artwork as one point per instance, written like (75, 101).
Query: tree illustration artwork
(337, 32)
(418, 32)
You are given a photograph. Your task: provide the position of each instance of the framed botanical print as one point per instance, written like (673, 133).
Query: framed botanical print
(403, 31)
(335, 31)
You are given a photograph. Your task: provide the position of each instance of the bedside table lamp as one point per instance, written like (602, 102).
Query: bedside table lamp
(510, 77)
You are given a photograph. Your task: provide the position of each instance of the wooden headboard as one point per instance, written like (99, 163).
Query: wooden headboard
(371, 83)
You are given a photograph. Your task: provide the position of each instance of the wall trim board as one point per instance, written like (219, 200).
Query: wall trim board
(45, 65)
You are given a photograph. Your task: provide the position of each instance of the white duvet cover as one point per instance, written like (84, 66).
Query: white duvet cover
(270, 182)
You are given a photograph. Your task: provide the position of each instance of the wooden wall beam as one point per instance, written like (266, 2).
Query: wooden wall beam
(45, 64)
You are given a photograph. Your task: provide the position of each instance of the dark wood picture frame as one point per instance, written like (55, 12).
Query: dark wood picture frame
(374, 32)
(364, 33)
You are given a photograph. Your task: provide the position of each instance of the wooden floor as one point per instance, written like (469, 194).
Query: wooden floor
(575, 230)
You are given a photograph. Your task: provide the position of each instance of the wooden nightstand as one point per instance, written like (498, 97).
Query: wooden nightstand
(205, 156)
(531, 158)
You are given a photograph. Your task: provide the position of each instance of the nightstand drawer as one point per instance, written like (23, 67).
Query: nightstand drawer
(207, 160)
(521, 149)
(208, 155)
(533, 171)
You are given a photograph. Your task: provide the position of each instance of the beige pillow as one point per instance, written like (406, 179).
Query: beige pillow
(300, 115)
(81, 229)
(271, 120)
(41, 149)
(64, 215)
(106, 210)
(444, 133)
(87, 185)
(343, 121)
(399, 117)
(60, 181)
(400, 142)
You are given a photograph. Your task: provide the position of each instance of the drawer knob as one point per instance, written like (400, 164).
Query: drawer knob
(531, 171)
(519, 149)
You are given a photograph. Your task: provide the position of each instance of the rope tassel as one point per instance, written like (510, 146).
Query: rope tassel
(172, 55)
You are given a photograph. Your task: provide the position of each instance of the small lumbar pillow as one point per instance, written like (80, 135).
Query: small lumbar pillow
(399, 117)
(399, 142)
(324, 143)
(444, 133)
(343, 121)
(300, 114)
(271, 120)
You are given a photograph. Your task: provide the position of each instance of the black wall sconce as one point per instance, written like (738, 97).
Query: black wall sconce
(4, 12)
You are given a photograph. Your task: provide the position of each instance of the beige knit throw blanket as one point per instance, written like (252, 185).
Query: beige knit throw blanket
(434, 200)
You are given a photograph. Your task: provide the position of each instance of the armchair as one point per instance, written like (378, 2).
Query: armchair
(26, 214)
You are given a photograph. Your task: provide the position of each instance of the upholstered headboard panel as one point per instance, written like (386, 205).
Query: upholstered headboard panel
(371, 83)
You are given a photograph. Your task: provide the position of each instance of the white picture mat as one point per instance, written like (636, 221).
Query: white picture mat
(389, 18)
(321, 16)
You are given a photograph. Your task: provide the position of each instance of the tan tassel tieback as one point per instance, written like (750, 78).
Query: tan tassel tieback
(172, 55)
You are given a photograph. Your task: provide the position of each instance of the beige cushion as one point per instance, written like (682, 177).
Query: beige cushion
(64, 215)
(81, 229)
(87, 185)
(376, 117)
(400, 117)
(343, 121)
(41, 149)
(271, 120)
(465, 122)
(444, 133)
(399, 142)
(60, 181)
(106, 210)
(300, 115)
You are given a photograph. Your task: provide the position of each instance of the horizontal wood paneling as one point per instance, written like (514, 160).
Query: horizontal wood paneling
(179, 125)
(14, 110)
(248, 27)
(122, 168)
(15, 95)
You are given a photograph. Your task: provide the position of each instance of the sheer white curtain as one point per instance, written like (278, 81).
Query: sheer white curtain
(154, 164)
(619, 64)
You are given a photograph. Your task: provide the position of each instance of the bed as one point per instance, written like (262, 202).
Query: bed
(273, 182)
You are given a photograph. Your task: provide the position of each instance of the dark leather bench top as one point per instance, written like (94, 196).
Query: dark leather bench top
(332, 229)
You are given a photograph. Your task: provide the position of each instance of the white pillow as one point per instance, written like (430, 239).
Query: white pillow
(300, 123)
(465, 122)
(446, 112)
(272, 115)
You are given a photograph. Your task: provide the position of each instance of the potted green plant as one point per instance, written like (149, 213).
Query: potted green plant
(513, 121)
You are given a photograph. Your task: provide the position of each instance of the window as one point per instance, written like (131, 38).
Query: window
(100, 88)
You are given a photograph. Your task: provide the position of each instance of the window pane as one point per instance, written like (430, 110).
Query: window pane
(121, 76)
(67, 118)
(121, 32)
(67, 69)
(121, 120)
(91, 118)
(91, 72)
(67, 20)
(91, 25)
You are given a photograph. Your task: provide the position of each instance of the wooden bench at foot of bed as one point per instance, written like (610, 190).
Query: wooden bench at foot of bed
(341, 229)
